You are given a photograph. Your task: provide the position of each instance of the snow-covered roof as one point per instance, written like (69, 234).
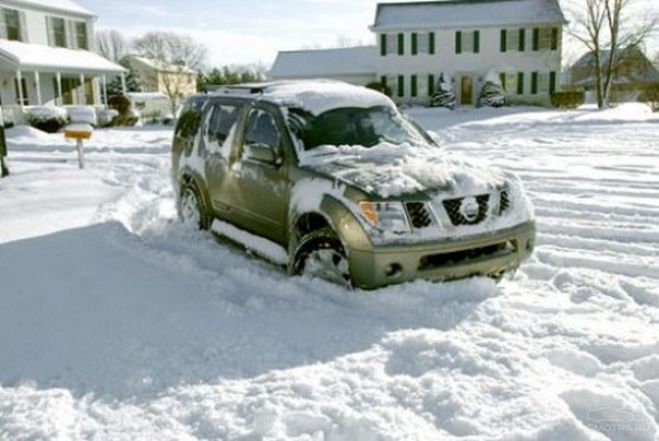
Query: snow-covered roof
(161, 66)
(467, 13)
(54, 5)
(309, 63)
(18, 55)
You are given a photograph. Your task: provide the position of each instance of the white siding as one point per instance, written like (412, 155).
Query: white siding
(477, 65)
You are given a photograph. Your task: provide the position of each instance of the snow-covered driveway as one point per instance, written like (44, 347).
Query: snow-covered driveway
(118, 323)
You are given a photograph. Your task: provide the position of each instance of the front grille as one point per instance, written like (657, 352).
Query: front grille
(419, 215)
(435, 261)
(453, 209)
(504, 203)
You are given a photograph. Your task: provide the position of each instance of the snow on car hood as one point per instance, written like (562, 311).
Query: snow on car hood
(389, 170)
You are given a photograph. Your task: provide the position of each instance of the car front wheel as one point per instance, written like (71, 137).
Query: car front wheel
(321, 254)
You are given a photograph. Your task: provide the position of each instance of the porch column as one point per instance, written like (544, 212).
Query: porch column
(21, 92)
(60, 98)
(105, 90)
(37, 81)
(124, 89)
(81, 91)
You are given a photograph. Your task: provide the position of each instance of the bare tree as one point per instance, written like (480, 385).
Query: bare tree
(111, 45)
(176, 57)
(609, 28)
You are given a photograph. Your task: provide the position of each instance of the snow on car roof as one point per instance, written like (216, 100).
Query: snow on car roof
(319, 96)
(58, 5)
(456, 13)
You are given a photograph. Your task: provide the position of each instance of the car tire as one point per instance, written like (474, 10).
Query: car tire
(321, 254)
(191, 209)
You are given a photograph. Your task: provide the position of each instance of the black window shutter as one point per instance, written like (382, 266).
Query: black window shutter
(383, 45)
(431, 85)
(536, 39)
(458, 42)
(401, 44)
(522, 40)
(415, 92)
(431, 43)
(520, 83)
(504, 40)
(401, 86)
(552, 82)
(477, 41)
(415, 43)
(554, 39)
(534, 83)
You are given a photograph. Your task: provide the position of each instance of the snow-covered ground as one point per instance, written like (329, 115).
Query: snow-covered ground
(118, 323)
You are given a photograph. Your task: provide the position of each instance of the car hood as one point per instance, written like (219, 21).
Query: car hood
(391, 171)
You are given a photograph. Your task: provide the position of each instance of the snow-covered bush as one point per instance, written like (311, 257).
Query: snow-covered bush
(650, 95)
(569, 99)
(492, 93)
(82, 114)
(127, 115)
(445, 93)
(47, 118)
(106, 117)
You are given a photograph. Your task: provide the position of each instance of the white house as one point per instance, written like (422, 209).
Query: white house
(47, 56)
(520, 40)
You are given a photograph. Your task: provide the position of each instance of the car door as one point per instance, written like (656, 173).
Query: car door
(260, 175)
(219, 143)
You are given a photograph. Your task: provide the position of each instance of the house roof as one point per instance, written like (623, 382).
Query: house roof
(467, 13)
(647, 73)
(54, 5)
(16, 55)
(160, 65)
(359, 60)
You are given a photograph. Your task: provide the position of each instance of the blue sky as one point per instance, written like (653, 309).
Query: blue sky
(247, 31)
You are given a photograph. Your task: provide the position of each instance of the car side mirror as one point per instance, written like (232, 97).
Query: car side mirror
(262, 153)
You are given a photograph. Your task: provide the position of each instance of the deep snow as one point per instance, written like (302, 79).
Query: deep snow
(116, 322)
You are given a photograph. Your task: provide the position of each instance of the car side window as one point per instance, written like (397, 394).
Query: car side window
(261, 130)
(221, 123)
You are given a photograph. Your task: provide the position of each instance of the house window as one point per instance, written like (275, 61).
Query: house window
(422, 84)
(545, 39)
(468, 42)
(401, 44)
(26, 101)
(513, 40)
(57, 32)
(10, 25)
(510, 82)
(82, 40)
(401, 86)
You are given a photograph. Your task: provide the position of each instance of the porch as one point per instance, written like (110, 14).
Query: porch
(36, 75)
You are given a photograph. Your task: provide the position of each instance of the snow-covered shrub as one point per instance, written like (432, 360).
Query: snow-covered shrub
(106, 117)
(492, 93)
(47, 118)
(83, 115)
(568, 99)
(445, 93)
(127, 115)
(650, 95)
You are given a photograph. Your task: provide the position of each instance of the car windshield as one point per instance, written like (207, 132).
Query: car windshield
(354, 127)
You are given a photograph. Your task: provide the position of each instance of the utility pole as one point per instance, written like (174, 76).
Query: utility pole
(4, 170)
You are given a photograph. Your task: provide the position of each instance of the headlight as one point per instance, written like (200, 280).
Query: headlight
(387, 216)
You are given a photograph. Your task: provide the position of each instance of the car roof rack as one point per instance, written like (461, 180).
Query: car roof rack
(243, 89)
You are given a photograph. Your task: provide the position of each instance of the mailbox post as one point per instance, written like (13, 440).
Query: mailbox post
(79, 133)
(4, 170)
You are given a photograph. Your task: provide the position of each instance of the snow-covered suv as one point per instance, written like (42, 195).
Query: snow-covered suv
(331, 179)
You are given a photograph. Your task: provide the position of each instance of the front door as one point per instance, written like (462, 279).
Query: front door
(467, 91)
(260, 198)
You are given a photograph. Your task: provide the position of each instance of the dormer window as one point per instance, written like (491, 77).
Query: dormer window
(82, 41)
(57, 32)
(10, 25)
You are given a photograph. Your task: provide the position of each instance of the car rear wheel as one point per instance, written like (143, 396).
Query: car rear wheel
(191, 209)
(321, 254)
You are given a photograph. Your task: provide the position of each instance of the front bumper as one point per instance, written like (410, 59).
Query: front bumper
(490, 254)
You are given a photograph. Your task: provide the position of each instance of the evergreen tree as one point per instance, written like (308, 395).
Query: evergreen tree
(492, 93)
(132, 84)
(445, 94)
